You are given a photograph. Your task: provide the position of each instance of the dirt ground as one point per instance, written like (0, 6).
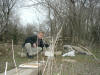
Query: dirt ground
(78, 65)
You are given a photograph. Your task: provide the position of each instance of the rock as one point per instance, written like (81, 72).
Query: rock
(69, 60)
(80, 50)
(0, 53)
(7, 50)
(58, 53)
(21, 54)
(71, 53)
(67, 48)
(49, 54)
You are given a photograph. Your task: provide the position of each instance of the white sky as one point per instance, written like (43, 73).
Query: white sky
(31, 15)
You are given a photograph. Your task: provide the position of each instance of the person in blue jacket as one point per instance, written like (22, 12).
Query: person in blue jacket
(34, 43)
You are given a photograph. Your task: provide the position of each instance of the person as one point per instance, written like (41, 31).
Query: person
(34, 43)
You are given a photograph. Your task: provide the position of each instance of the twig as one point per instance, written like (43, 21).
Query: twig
(14, 59)
(45, 66)
(90, 52)
(61, 70)
(73, 72)
(52, 66)
(6, 68)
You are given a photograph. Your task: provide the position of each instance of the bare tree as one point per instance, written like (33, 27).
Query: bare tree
(76, 16)
(79, 18)
(30, 29)
(6, 7)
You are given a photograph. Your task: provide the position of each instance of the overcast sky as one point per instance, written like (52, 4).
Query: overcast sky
(31, 15)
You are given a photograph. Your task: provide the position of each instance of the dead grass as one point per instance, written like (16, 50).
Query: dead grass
(78, 65)
(6, 56)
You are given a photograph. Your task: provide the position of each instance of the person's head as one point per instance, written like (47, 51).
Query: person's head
(40, 35)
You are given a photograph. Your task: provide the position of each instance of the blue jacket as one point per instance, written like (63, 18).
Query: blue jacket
(33, 39)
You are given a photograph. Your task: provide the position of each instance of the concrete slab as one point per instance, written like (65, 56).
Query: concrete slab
(24, 71)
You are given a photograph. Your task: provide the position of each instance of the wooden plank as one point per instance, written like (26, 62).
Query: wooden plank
(30, 65)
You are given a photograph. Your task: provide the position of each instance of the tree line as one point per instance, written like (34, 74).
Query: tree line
(79, 19)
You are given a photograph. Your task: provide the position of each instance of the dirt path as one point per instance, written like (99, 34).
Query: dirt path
(22, 72)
